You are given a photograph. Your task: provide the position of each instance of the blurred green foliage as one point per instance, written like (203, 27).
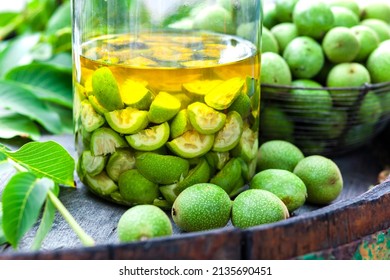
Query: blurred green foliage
(36, 70)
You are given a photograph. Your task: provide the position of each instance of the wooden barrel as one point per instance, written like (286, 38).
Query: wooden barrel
(356, 226)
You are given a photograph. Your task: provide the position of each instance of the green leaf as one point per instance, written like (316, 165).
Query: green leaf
(46, 220)
(13, 124)
(18, 52)
(3, 45)
(2, 236)
(59, 29)
(66, 116)
(62, 61)
(22, 101)
(23, 198)
(42, 51)
(6, 17)
(46, 224)
(39, 12)
(182, 12)
(9, 21)
(3, 157)
(46, 159)
(47, 82)
(61, 18)
(6, 168)
(62, 41)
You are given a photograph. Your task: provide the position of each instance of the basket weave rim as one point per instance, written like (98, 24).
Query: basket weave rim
(365, 87)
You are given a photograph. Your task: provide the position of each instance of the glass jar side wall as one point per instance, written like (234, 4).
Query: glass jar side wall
(182, 98)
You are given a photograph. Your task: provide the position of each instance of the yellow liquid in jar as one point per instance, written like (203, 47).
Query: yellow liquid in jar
(165, 61)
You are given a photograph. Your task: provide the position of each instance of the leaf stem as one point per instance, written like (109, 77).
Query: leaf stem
(17, 166)
(83, 236)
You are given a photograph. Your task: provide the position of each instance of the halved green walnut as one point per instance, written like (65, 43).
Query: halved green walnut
(241, 105)
(191, 144)
(80, 171)
(163, 108)
(228, 176)
(238, 188)
(169, 192)
(117, 198)
(101, 184)
(184, 99)
(248, 169)
(224, 94)
(92, 165)
(217, 160)
(96, 105)
(199, 174)
(83, 138)
(229, 136)
(180, 124)
(136, 95)
(248, 145)
(150, 139)
(119, 162)
(127, 121)
(106, 90)
(89, 118)
(251, 85)
(198, 89)
(205, 119)
(105, 141)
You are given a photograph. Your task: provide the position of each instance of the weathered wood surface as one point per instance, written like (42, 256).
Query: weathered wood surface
(356, 214)
(372, 247)
(332, 226)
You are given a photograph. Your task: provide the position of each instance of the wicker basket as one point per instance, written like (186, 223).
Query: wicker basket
(325, 120)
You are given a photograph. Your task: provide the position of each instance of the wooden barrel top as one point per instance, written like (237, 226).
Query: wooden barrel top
(355, 226)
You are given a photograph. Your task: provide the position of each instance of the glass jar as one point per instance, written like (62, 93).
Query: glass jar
(166, 95)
